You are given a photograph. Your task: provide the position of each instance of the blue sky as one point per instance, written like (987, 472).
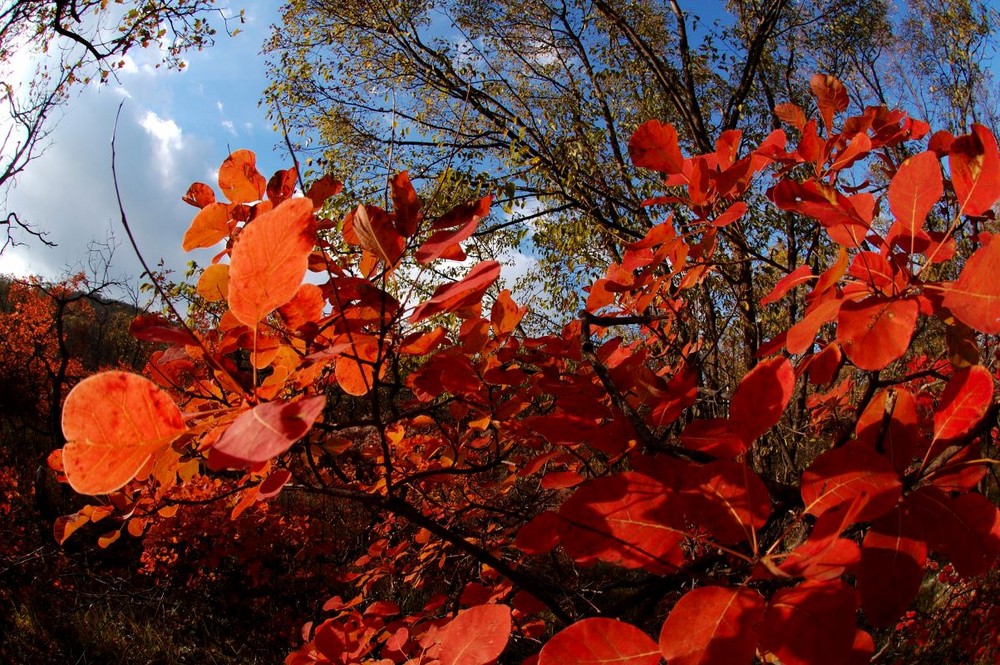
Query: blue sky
(175, 128)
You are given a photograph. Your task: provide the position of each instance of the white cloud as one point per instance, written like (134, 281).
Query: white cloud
(128, 65)
(218, 105)
(168, 138)
(16, 262)
(229, 126)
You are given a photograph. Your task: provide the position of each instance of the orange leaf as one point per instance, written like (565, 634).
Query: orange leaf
(208, 227)
(213, 285)
(792, 114)
(113, 423)
(355, 370)
(239, 179)
(270, 259)
(323, 189)
(831, 97)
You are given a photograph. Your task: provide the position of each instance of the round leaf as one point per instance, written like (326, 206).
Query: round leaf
(113, 423)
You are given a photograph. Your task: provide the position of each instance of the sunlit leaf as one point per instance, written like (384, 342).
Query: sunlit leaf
(975, 170)
(964, 402)
(761, 398)
(270, 259)
(915, 190)
(113, 423)
(239, 179)
(654, 146)
(974, 298)
(459, 295)
(209, 226)
(876, 331)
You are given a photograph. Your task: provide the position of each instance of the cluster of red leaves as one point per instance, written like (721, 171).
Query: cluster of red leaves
(30, 353)
(347, 389)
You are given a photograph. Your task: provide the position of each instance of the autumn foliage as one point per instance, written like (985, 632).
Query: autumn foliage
(566, 498)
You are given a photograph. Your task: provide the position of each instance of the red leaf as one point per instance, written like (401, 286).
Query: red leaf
(270, 259)
(975, 170)
(377, 234)
(281, 186)
(761, 398)
(876, 331)
(323, 189)
(731, 214)
(714, 436)
(654, 146)
(800, 275)
(791, 114)
(540, 534)
(831, 97)
(964, 402)
(974, 298)
(966, 529)
(273, 483)
(825, 555)
(155, 328)
(505, 314)
(623, 519)
(713, 625)
(445, 242)
(476, 636)
(729, 500)
(238, 178)
(306, 306)
(406, 205)
(915, 190)
(893, 555)
(208, 227)
(845, 220)
(844, 474)
(459, 295)
(600, 641)
(813, 624)
(199, 195)
(802, 335)
(824, 365)
(901, 436)
(265, 431)
(113, 423)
